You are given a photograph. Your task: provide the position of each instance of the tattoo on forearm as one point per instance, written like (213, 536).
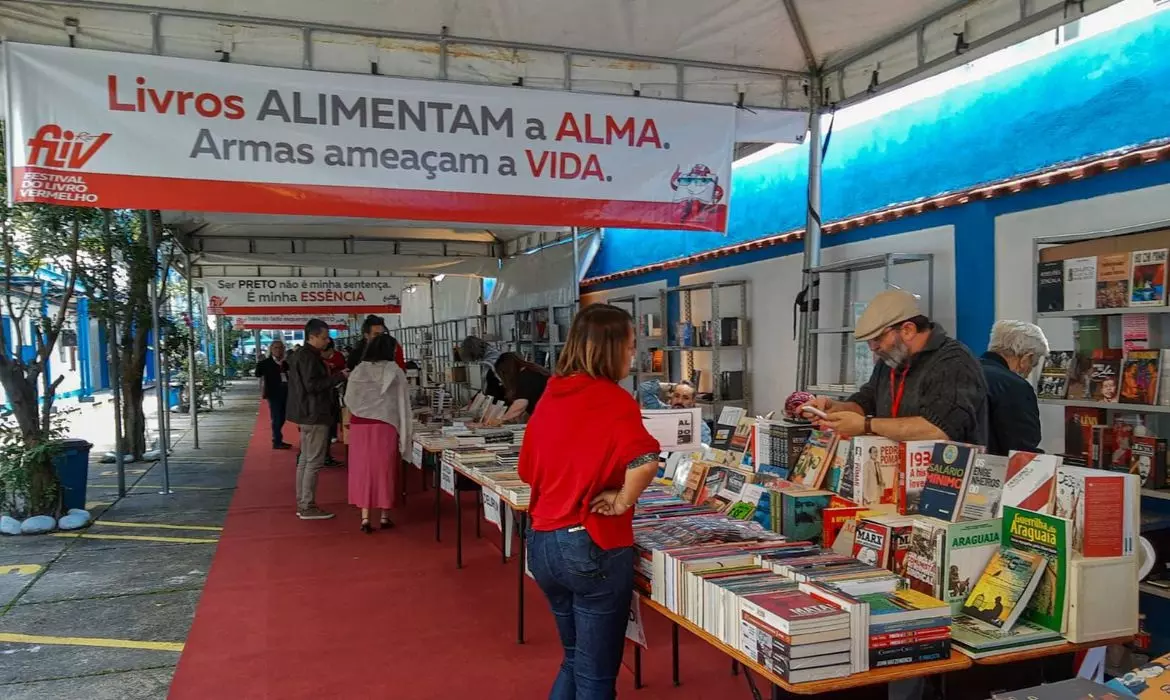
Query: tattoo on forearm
(644, 459)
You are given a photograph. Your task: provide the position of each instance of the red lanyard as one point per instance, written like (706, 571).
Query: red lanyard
(898, 388)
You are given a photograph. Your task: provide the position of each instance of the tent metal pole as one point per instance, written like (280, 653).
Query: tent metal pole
(112, 354)
(806, 356)
(576, 266)
(192, 368)
(160, 388)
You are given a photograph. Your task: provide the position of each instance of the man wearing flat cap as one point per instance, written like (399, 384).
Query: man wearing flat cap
(928, 387)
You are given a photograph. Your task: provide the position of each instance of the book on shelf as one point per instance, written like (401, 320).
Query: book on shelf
(1030, 480)
(1068, 689)
(812, 466)
(946, 480)
(1004, 588)
(926, 556)
(875, 469)
(1050, 286)
(1079, 372)
(913, 465)
(979, 639)
(1148, 461)
(1146, 682)
(883, 540)
(967, 549)
(1113, 281)
(777, 445)
(1080, 283)
(802, 514)
(907, 626)
(1078, 424)
(1139, 377)
(981, 499)
(1048, 536)
(1102, 508)
(1054, 375)
(1105, 375)
(1147, 286)
(839, 478)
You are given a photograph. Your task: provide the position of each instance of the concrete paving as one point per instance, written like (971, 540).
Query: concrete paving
(103, 613)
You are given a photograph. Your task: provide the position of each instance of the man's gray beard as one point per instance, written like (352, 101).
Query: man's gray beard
(896, 355)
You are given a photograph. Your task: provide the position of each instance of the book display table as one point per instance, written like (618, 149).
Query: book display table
(519, 513)
(780, 687)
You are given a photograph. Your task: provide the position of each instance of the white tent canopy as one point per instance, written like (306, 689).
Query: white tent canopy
(761, 54)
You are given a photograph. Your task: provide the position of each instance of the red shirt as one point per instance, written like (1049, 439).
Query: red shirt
(578, 443)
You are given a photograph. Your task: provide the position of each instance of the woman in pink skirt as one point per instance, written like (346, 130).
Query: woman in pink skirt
(379, 430)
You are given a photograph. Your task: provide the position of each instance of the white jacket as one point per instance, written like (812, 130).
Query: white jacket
(378, 391)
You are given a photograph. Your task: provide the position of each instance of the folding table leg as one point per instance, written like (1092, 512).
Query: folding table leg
(637, 667)
(734, 667)
(458, 528)
(674, 653)
(520, 561)
(479, 515)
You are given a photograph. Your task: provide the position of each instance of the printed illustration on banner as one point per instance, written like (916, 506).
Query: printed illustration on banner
(697, 192)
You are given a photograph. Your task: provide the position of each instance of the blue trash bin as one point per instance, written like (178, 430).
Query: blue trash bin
(72, 467)
(174, 395)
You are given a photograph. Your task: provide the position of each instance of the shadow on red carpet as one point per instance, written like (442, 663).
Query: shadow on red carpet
(317, 609)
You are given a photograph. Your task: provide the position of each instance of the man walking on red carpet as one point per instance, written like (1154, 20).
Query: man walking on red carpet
(310, 406)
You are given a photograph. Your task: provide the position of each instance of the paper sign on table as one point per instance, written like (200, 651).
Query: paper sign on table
(447, 479)
(491, 508)
(675, 429)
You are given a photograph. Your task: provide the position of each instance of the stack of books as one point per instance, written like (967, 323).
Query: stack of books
(907, 627)
(979, 639)
(797, 636)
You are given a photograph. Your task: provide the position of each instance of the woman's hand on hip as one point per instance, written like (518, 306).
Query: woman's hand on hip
(608, 503)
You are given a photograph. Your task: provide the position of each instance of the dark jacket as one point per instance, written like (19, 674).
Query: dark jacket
(1013, 412)
(274, 375)
(944, 385)
(310, 388)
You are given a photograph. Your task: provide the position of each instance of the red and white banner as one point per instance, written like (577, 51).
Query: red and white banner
(286, 323)
(303, 297)
(105, 129)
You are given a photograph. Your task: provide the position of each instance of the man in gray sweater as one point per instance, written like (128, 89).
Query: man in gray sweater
(928, 386)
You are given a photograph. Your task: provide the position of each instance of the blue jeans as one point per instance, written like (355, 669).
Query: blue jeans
(589, 590)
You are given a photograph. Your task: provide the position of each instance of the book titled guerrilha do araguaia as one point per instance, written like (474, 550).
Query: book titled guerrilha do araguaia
(1048, 536)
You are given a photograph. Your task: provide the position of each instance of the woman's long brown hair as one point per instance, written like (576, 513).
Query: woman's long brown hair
(508, 369)
(597, 343)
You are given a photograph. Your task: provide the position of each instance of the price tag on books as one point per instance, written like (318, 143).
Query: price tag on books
(447, 479)
(491, 508)
(416, 454)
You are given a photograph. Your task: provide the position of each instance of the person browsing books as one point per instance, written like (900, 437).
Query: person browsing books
(379, 430)
(310, 405)
(478, 350)
(587, 457)
(928, 386)
(681, 395)
(372, 327)
(1016, 348)
(524, 383)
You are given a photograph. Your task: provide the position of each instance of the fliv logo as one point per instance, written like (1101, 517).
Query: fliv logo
(53, 147)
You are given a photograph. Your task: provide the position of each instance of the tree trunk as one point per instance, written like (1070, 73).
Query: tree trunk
(133, 418)
(22, 395)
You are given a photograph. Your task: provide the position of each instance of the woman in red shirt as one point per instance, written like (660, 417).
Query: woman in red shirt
(587, 458)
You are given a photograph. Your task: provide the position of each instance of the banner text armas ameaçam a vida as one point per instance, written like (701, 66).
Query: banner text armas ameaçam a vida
(105, 129)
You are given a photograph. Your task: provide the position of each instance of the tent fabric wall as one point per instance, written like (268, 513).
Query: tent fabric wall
(542, 278)
(455, 297)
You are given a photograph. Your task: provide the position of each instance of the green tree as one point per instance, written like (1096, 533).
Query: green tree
(123, 279)
(34, 238)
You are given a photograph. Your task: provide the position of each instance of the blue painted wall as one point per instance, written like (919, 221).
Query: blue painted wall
(1089, 97)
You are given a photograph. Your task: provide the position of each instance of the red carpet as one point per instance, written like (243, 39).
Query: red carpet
(297, 609)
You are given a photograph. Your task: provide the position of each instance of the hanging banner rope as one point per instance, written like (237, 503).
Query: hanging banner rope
(105, 129)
